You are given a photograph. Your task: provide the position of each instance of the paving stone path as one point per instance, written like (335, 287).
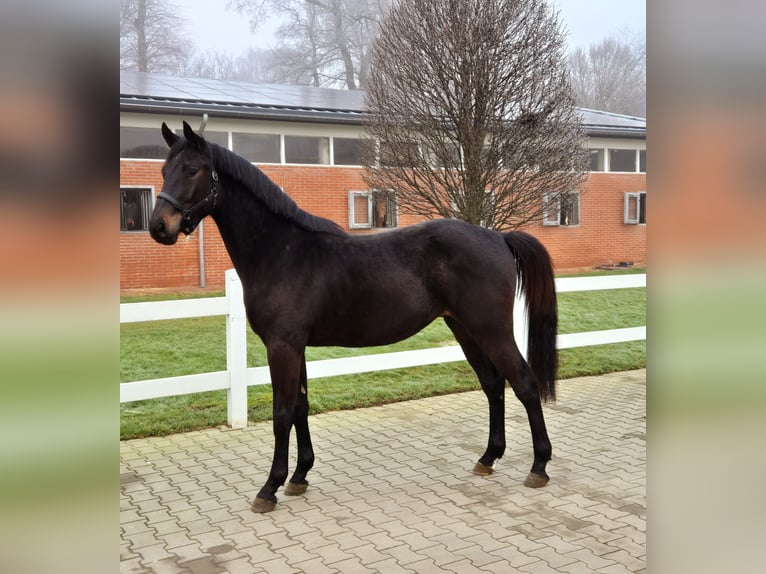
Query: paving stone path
(392, 491)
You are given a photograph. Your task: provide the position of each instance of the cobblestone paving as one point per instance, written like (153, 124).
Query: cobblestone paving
(392, 491)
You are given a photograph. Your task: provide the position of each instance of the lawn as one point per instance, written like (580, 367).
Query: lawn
(186, 346)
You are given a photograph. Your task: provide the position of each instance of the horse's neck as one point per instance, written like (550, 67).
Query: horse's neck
(249, 230)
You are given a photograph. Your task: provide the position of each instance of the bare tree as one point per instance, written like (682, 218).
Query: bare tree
(211, 64)
(323, 42)
(149, 37)
(611, 76)
(256, 66)
(471, 106)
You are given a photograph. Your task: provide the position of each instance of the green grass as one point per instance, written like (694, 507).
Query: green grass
(185, 346)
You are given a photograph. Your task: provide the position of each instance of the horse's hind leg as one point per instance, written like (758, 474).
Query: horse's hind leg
(525, 386)
(298, 483)
(495, 362)
(493, 385)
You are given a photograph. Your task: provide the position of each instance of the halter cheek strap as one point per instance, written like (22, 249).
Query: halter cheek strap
(194, 214)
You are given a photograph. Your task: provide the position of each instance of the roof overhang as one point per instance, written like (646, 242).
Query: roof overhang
(167, 106)
(614, 132)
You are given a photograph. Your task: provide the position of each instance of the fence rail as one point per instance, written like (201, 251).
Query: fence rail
(237, 376)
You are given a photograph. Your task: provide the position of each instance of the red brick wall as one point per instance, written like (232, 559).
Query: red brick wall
(601, 237)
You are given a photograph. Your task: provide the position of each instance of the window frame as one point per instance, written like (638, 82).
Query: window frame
(605, 147)
(550, 203)
(635, 155)
(640, 206)
(370, 224)
(265, 137)
(148, 204)
(352, 195)
(321, 141)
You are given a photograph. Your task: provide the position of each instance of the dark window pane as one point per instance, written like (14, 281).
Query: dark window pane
(642, 161)
(304, 149)
(220, 138)
(143, 143)
(346, 151)
(597, 160)
(642, 209)
(260, 148)
(622, 160)
(383, 210)
(570, 209)
(135, 209)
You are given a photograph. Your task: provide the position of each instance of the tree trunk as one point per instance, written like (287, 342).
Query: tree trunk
(142, 58)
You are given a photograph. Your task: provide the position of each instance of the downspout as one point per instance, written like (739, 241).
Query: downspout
(201, 230)
(201, 227)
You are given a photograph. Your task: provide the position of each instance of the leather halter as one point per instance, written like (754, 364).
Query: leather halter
(194, 214)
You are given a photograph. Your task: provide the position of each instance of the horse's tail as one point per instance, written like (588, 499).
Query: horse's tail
(535, 276)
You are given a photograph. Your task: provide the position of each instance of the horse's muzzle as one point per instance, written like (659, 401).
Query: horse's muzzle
(164, 231)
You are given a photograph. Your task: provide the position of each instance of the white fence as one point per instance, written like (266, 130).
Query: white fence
(237, 376)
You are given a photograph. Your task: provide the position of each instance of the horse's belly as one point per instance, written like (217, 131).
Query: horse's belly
(369, 327)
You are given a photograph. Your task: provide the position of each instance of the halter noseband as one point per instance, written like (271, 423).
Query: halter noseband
(193, 215)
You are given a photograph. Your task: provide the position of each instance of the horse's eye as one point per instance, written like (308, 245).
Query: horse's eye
(191, 171)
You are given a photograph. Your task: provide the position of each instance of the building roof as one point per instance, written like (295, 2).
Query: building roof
(161, 93)
(610, 124)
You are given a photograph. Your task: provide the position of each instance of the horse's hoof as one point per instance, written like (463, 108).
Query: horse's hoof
(535, 480)
(480, 469)
(261, 505)
(294, 489)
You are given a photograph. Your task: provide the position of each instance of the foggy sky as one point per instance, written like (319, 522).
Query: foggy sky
(214, 28)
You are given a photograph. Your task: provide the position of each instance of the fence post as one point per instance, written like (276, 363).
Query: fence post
(520, 323)
(236, 352)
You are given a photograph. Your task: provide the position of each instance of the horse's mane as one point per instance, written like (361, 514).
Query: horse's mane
(267, 192)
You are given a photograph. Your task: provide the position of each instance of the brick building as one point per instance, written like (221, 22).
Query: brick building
(307, 140)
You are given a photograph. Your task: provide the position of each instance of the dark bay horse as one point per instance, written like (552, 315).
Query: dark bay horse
(309, 283)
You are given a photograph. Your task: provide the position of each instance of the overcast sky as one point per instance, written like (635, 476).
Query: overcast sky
(214, 28)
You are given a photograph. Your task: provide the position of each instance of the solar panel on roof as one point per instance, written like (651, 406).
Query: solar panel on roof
(140, 88)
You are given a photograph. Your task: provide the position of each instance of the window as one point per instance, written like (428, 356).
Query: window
(305, 149)
(142, 143)
(346, 151)
(371, 210)
(622, 160)
(399, 154)
(619, 160)
(260, 148)
(220, 138)
(635, 208)
(562, 209)
(135, 208)
(597, 159)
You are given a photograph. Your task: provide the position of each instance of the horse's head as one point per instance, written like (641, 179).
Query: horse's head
(189, 189)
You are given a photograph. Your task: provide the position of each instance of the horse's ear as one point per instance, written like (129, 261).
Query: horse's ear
(169, 135)
(197, 141)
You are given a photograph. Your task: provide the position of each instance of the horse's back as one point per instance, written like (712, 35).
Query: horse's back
(443, 261)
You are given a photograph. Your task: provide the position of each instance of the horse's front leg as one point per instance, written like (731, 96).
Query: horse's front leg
(285, 363)
(298, 483)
